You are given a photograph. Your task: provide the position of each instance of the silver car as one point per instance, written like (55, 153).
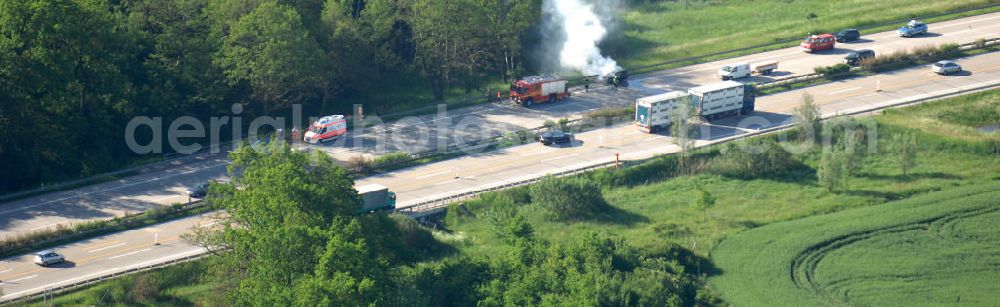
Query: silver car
(946, 67)
(45, 258)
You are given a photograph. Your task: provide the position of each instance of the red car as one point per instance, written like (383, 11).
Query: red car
(818, 42)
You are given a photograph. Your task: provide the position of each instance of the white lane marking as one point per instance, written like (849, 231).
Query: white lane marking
(633, 132)
(164, 198)
(106, 247)
(434, 174)
(5, 271)
(844, 90)
(101, 273)
(112, 189)
(22, 278)
(967, 21)
(208, 225)
(46, 226)
(129, 254)
(559, 157)
(538, 152)
(654, 138)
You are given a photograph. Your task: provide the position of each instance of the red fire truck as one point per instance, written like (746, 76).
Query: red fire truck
(818, 42)
(530, 90)
(326, 128)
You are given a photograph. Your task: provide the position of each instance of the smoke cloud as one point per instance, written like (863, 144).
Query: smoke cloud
(582, 30)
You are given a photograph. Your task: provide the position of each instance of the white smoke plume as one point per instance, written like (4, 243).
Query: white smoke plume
(582, 30)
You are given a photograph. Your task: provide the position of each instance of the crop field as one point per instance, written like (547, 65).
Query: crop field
(660, 31)
(941, 248)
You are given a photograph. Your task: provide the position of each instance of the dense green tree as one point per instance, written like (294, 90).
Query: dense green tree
(272, 50)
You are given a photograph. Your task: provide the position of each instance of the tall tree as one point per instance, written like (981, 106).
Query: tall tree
(807, 118)
(271, 50)
(681, 123)
(905, 147)
(451, 43)
(703, 201)
(830, 173)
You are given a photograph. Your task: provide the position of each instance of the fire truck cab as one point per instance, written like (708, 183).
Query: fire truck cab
(325, 129)
(530, 90)
(818, 42)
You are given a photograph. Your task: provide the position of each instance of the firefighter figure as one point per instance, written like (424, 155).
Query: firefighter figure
(499, 96)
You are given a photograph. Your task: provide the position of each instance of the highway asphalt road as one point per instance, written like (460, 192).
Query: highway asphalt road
(164, 183)
(129, 249)
(101, 256)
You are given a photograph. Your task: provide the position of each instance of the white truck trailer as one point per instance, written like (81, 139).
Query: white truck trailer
(712, 101)
(376, 197)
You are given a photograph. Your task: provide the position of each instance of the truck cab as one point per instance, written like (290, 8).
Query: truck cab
(532, 89)
(733, 71)
(820, 42)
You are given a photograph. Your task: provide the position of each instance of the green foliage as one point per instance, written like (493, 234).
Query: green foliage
(391, 158)
(834, 70)
(830, 174)
(681, 130)
(703, 201)
(905, 148)
(807, 119)
(568, 199)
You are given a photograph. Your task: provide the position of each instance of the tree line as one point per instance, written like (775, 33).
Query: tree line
(74, 72)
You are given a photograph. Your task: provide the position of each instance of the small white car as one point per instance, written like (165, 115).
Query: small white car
(946, 67)
(45, 258)
(733, 71)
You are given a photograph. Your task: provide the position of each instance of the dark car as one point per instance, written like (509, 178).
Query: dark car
(198, 191)
(855, 58)
(620, 75)
(555, 137)
(847, 35)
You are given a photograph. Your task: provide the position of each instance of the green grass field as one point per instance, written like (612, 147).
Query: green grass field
(941, 248)
(661, 31)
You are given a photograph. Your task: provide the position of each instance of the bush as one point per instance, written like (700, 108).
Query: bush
(391, 159)
(358, 163)
(568, 198)
(835, 70)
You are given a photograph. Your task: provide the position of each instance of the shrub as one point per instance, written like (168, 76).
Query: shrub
(391, 158)
(358, 163)
(835, 70)
(568, 198)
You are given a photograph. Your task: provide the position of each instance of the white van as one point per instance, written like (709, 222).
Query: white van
(734, 71)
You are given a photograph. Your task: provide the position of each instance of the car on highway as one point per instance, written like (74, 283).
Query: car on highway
(847, 35)
(855, 58)
(47, 257)
(555, 137)
(946, 67)
(820, 42)
(912, 29)
(198, 191)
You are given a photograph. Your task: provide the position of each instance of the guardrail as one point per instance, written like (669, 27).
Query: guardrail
(84, 283)
(433, 206)
(813, 76)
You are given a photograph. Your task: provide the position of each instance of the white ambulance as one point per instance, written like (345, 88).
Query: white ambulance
(325, 129)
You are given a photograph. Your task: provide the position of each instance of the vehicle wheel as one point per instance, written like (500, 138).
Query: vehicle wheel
(553, 97)
(528, 102)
